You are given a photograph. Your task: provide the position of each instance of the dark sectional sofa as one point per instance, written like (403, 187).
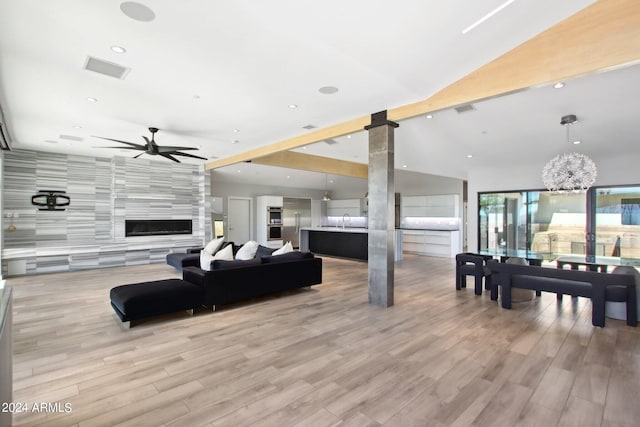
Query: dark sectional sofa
(227, 282)
(238, 280)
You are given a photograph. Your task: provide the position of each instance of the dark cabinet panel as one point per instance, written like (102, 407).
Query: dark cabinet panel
(341, 244)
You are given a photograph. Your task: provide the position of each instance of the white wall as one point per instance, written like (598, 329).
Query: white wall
(619, 170)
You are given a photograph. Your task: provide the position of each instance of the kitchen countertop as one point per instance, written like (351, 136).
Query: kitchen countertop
(336, 229)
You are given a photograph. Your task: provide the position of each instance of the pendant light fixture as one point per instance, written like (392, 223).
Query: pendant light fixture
(325, 197)
(569, 172)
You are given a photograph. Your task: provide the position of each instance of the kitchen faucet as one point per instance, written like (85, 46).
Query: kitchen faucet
(346, 215)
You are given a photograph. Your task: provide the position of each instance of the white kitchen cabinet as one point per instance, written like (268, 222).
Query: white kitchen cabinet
(441, 243)
(352, 207)
(441, 205)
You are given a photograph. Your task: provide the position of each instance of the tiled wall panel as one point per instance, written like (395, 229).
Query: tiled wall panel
(104, 192)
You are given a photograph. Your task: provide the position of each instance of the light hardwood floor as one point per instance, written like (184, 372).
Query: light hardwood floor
(321, 357)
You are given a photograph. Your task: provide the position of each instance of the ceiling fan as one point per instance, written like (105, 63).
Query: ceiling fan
(154, 149)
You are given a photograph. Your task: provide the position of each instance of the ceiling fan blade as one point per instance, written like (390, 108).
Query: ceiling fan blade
(166, 149)
(147, 139)
(177, 153)
(135, 157)
(120, 148)
(170, 157)
(140, 147)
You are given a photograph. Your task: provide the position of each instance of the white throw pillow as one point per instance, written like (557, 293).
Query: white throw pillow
(206, 258)
(288, 247)
(225, 253)
(248, 250)
(213, 246)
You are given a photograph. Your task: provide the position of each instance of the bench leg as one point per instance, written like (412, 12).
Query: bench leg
(632, 315)
(506, 296)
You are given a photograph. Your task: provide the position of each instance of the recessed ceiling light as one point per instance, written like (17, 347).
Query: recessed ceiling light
(429, 116)
(77, 127)
(238, 171)
(577, 142)
(487, 16)
(118, 49)
(330, 181)
(92, 99)
(288, 176)
(404, 166)
(558, 85)
(137, 11)
(469, 156)
(235, 141)
(304, 148)
(236, 130)
(328, 90)
(292, 106)
(348, 136)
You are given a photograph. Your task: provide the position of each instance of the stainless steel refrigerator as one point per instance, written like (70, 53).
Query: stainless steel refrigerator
(296, 213)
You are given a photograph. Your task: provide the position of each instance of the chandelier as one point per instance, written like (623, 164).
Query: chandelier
(569, 172)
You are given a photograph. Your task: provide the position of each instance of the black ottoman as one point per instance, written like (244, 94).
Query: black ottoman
(141, 300)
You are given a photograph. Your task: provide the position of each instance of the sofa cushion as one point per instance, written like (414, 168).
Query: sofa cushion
(248, 250)
(264, 251)
(289, 256)
(220, 264)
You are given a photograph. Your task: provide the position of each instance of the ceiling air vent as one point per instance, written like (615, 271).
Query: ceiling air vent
(465, 108)
(308, 127)
(71, 138)
(107, 68)
(330, 141)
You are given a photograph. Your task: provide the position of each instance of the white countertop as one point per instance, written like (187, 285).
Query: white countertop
(336, 229)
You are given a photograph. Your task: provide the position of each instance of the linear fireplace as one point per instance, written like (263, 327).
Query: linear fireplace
(157, 227)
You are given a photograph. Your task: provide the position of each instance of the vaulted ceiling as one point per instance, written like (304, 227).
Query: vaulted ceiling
(223, 77)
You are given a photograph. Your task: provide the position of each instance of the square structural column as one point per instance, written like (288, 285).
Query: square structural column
(381, 210)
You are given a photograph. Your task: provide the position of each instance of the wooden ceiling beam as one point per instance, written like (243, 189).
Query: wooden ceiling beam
(310, 162)
(601, 36)
(346, 128)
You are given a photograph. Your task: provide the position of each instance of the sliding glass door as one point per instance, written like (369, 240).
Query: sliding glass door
(544, 222)
(617, 221)
(557, 224)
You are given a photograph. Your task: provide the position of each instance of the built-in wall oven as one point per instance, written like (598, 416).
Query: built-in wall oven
(274, 223)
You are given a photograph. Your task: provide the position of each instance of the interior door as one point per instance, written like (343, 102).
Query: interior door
(239, 219)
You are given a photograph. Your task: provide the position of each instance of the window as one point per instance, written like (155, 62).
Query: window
(558, 224)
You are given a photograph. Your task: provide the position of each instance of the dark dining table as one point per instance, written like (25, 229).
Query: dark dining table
(595, 263)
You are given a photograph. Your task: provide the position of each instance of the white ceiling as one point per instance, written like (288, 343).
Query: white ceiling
(201, 69)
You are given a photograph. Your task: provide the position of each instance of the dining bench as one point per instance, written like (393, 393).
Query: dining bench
(577, 283)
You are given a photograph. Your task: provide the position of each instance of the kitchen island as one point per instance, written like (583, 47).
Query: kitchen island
(347, 242)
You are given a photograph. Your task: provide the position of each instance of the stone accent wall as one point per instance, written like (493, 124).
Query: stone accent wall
(103, 192)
